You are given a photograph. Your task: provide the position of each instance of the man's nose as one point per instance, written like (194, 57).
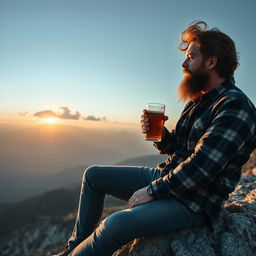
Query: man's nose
(184, 64)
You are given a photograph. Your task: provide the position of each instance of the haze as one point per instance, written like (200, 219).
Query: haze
(44, 148)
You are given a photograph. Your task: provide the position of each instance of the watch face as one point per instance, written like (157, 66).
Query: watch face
(150, 192)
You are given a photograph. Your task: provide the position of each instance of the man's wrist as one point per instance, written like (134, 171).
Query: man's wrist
(163, 132)
(150, 191)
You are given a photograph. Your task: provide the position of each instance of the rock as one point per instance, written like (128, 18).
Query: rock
(234, 231)
(249, 167)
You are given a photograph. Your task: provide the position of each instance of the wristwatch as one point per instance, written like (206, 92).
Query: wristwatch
(150, 191)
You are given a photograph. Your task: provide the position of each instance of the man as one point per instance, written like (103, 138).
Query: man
(213, 138)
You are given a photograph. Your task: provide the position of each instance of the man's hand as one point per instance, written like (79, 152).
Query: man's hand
(145, 122)
(139, 197)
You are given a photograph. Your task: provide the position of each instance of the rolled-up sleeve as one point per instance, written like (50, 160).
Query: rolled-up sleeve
(231, 127)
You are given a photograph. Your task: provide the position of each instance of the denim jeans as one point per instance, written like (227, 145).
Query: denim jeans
(146, 220)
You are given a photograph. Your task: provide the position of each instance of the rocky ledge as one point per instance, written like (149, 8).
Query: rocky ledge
(234, 232)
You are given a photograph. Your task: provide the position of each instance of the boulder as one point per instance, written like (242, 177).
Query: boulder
(234, 231)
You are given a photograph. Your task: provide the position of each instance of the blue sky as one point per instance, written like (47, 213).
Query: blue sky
(109, 57)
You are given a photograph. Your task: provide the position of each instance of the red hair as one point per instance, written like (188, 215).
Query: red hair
(212, 42)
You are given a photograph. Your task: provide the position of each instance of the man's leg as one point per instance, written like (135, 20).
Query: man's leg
(145, 220)
(118, 181)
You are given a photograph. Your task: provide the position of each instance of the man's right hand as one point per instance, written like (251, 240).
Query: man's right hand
(145, 123)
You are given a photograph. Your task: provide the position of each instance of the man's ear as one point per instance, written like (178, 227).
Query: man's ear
(211, 62)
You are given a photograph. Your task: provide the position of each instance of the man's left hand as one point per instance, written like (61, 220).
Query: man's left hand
(139, 197)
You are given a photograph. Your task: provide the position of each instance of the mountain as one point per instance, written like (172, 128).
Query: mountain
(17, 187)
(53, 203)
(14, 188)
(150, 161)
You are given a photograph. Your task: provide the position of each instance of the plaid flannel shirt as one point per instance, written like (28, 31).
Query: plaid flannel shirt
(213, 138)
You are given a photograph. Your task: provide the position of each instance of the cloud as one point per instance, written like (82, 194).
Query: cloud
(65, 114)
(91, 118)
(45, 113)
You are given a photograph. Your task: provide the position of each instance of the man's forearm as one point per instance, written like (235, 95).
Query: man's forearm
(168, 143)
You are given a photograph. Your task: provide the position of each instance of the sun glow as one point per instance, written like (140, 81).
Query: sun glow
(51, 120)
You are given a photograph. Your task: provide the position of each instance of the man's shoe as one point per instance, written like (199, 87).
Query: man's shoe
(65, 252)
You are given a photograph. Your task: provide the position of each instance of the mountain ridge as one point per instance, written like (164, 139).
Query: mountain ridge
(17, 187)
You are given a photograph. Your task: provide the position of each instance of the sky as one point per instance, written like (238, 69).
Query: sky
(106, 59)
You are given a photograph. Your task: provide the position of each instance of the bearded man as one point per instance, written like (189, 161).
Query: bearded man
(213, 138)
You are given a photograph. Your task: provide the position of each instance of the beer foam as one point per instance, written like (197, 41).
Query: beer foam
(155, 111)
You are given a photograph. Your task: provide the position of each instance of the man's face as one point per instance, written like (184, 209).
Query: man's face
(196, 77)
(194, 58)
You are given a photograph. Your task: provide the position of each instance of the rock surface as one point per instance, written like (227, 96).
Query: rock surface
(234, 232)
(250, 167)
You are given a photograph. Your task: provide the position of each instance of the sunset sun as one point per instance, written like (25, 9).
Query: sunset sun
(51, 120)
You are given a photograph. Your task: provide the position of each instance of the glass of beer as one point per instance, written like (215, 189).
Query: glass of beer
(156, 120)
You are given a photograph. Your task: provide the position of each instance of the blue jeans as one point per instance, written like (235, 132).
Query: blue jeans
(147, 220)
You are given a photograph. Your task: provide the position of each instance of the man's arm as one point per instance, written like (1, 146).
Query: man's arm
(168, 143)
(232, 126)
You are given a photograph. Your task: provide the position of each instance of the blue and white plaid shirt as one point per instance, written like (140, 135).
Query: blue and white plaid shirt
(213, 138)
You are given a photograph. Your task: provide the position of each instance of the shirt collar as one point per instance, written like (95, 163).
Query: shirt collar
(213, 94)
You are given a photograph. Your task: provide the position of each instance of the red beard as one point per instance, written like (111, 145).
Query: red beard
(193, 84)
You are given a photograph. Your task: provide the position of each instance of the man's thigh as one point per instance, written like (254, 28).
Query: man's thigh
(120, 181)
(153, 218)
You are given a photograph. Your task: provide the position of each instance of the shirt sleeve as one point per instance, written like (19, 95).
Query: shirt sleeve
(232, 126)
(168, 143)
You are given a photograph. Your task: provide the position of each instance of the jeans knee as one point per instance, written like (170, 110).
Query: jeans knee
(90, 173)
(118, 225)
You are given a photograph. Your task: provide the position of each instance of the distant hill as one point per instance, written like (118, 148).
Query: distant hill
(53, 203)
(149, 161)
(14, 188)
(17, 187)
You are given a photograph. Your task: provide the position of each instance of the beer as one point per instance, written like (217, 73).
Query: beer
(156, 120)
